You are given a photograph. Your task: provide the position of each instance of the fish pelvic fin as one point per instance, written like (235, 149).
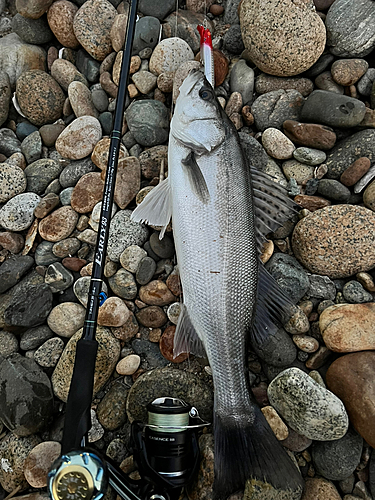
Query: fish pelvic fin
(246, 448)
(196, 178)
(186, 338)
(272, 308)
(156, 208)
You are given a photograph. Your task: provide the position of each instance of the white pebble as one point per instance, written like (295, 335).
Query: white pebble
(128, 365)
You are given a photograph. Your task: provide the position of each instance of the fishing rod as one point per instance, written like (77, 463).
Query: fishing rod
(166, 452)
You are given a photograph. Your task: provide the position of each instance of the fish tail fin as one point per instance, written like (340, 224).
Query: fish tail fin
(248, 449)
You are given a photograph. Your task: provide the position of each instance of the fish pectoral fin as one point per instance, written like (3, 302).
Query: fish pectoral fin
(156, 208)
(196, 179)
(271, 204)
(272, 307)
(186, 338)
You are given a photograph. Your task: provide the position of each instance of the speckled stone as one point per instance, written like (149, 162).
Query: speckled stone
(59, 224)
(307, 407)
(151, 159)
(64, 72)
(309, 156)
(8, 343)
(318, 488)
(12, 181)
(310, 134)
(66, 318)
(348, 327)
(48, 354)
(293, 169)
(176, 383)
(128, 181)
(351, 378)
(33, 31)
(14, 451)
(289, 46)
(123, 233)
(107, 358)
(348, 71)
(32, 9)
(369, 196)
(274, 108)
(74, 171)
(123, 284)
(350, 31)
(39, 461)
(277, 144)
(169, 54)
(18, 213)
(267, 83)
(131, 257)
(148, 121)
(87, 192)
(111, 409)
(81, 100)
(336, 241)
(128, 365)
(5, 96)
(79, 138)
(40, 97)
(350, 149)
(60, 18)
(81, 289)
(152, 317)
(93, 36)
(100, 153)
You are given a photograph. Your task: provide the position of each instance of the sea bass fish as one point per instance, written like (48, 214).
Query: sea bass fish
(220, 210)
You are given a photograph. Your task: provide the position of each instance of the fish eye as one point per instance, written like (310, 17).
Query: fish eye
(205, 94)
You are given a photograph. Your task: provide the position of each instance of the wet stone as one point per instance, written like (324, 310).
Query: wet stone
(112, 408)
(146, 270)
(30, 307)
(24, 385)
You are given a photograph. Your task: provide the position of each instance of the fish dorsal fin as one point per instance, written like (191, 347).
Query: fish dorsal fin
(156, 208)
(272, 307)
(186, 338)
(272, 205)
(195, 176)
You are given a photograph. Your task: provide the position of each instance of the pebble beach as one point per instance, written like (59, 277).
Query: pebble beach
(297, 79)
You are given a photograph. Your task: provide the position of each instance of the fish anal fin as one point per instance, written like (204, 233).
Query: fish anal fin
(186, 338)
(156, 207)
(272, 307)
(196, 179)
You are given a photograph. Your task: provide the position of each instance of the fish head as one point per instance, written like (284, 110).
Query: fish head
(198, 121)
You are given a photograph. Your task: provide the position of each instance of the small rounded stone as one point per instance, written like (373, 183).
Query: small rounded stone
(39, 461)
(277, 144)
(128, 365)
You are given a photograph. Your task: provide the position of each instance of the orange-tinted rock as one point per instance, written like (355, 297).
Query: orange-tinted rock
(128, 330)
(60, 19)
(128, 181)
(310, 134)
(317, 488)
(46, 204)
(352, 379)
(348, 327)
(312, 203)
(336, 241)
(59, 224)
(174, 284)
(118, 32)
(348, 71)
(166, 344)
(216, 9)
(355, 172)
(100, 154)
(113, 312)
(156, 293)
(221, 66)
(87, 192)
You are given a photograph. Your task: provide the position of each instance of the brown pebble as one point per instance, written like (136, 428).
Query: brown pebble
(108, 85)
(67, 108)
(152, 317)
(39, 461)
(107, 64)
(3, 158)
(154, 334)
(46, 205)
(318, 358)
(59, 224)
(367, 281)
(156, 293)
(174, 284)
(260, 394)
(49, 133)
(247, 116)
(13, 242)
(216, 9)
(166, 345)
(312, 203)
(52, 55)
(221, 66)
(73, 263)
(346, 72)
(310, 134)
(87, 192)
(355, 172)
(133, 91)
(128, 330)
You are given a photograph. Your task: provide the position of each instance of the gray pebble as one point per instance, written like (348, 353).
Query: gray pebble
(254, 150)
(5, 95)
(106, 121)
(290, 275)
(311, 187)
(321, 287)
(135, 150)
(242, 80)
(18, 213)
(24, 129)
(128, 140)
(354, 293)
(30, 307)
(278, 349)
(362, 183)
(9, 142)
(151, 352)
(40, 173)
(232, 40)
(159, 10)
(321, 64)
(146, 33)
(8, 343)
(333, 109)
(163, 248)
(364, 85)
(148, 121)
(44, 255)
(74, 171)
(123, 284)
(58, 277)
(53, 187)
(88, 66)
(333, 190)
(35, 337)
(31, 147)
(66, 248)
(273, 108)
(145, 53)
(100, 100)
(336, 460)
(66, 196)
(81, 289)
(231, 12)
(309, 156)
(12, 270)
(33, 31)
(145, 271)
(49, 353)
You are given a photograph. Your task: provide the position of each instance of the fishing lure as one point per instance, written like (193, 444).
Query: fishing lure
(207, 54)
